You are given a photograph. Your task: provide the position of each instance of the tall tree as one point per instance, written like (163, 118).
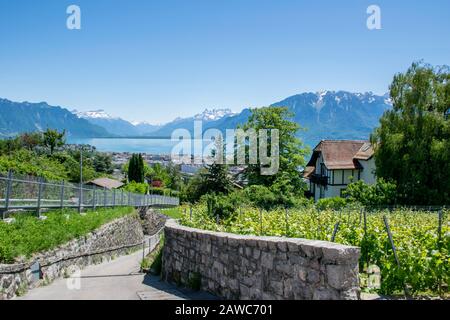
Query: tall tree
(136, 170)
(216, 180)
(54, 139)
(292, 152)
(412, 144)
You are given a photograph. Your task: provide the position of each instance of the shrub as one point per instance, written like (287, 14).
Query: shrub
(381, 193)
(336, 203)
(135, 187)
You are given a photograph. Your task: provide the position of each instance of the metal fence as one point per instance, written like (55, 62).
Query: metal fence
(33, 194)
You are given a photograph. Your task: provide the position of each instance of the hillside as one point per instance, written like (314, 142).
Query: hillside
(19, 117)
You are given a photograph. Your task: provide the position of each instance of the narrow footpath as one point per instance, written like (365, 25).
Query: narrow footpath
(119, 279)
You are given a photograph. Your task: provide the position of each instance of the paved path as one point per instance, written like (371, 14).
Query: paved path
(119, 279)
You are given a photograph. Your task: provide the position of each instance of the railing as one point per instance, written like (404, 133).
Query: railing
(34, 194)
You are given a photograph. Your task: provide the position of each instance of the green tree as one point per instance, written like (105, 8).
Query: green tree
(412, 143)
(292, 152)
(53, 139)
(175, 178)
(103, 163)
(215, 179)
(160, 173)
(136, 170)
(31, 140)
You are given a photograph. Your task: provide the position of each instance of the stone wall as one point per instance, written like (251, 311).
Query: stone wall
(121, 236)
(152, 220)
(249, 267)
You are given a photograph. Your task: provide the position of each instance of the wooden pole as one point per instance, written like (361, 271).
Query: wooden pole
(391, 240)
(336, 228)
(286, 213)
(260, 222)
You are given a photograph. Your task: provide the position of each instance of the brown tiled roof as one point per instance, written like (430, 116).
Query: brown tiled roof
(106, 183)
(342, 154)
(308, 171)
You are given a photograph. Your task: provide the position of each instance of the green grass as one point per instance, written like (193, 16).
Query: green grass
(28, 235)
(174, 213)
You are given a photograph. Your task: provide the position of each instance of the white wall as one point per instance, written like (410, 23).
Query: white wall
(368, 173)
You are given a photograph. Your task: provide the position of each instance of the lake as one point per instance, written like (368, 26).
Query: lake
(133, 145)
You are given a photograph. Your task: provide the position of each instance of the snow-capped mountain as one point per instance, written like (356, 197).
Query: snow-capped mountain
(95, 114)
(213, 114)
(116, 125)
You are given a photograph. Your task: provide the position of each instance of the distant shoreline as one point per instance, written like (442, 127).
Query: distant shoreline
(130, 137)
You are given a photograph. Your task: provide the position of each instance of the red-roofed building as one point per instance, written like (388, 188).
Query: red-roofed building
(336, 163)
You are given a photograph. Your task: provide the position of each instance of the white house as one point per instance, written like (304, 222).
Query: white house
(336, 163)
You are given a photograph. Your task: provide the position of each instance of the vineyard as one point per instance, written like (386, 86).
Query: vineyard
(420, 263)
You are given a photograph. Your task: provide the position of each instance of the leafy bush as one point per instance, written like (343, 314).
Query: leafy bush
(336, 203)
(220, 205)
(269, 198)
(164, 192)
(29, 163)
(135, 187)
(29, 235)
(379, 194)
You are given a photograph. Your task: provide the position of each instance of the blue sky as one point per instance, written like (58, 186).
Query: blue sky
(159, 59)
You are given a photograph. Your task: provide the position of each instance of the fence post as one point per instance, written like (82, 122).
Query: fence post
(114, 197)
(39, 196)
(129, 198)
(121, 198)
(8, 190)
(217, 219)
(336, 227)
(105, 200)
(61, 195)
(94, 197)
(391, 240)
(80, 198)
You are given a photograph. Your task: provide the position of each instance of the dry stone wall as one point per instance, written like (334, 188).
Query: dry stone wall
(249, 267)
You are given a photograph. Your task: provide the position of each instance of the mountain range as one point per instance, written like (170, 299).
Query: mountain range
(324, 115)
(20, 117)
